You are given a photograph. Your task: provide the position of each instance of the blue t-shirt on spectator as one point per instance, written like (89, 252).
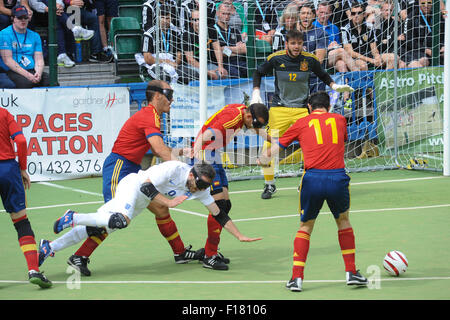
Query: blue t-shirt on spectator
(22, 45)
(332, 31)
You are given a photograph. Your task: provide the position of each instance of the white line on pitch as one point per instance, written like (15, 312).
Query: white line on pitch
(227, 282)
(352, 211)
(351, 184)
(232, 192)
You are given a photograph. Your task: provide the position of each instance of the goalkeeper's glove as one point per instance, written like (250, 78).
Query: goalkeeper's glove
(256, 96)
(342, 88)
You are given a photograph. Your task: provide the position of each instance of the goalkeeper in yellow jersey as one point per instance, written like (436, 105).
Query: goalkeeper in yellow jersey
(292, 69)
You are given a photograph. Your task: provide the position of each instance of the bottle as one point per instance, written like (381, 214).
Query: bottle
(78, 51)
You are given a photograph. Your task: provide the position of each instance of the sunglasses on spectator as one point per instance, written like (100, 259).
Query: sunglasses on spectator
(354, 13)
(168, 93)
(426, 3)
(22, 18)
(195, 19)
(200, 183)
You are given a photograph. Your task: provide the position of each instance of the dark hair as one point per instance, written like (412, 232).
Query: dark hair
(319, 99)
(149, 94)
(205, 169)
(294, 34)
(356, 4)
(260, 110)
(308, 5)
(165, 10)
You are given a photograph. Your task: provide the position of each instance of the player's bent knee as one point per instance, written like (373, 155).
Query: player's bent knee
(117, 221)
(95, 231)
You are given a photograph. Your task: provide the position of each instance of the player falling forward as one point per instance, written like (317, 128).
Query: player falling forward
(135, 192)
(215, 134)
(321, 136)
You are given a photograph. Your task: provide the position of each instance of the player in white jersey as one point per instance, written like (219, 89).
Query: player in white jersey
(134, 193)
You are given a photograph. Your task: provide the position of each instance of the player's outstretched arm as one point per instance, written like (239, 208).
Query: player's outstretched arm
(150, 191)
(228, 224)
(231, 228)
(170, 203)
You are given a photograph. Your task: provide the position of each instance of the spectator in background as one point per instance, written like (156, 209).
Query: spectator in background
(168, 49)
(21, 52)
(337, 57)
(65, 36)
(106, 10)
(266, 19)
(90, 20)
(5, 81)
(314, 41)
(373, 13)
(340, 12)
(418, 32)
(5, 11)
(187, 6)
(238, 19)
(189, 70)
(229, 44)
(149, 12)
(386, 36)
(359, 40)
(288, 21)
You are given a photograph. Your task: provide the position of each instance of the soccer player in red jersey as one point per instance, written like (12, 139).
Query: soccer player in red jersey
(13, 181)
(141, 132)
(322, 137)
(216, 132)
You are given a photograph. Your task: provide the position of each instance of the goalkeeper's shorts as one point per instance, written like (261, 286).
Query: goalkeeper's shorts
(318, 186)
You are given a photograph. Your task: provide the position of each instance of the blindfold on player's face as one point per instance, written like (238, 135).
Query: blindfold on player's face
(168, 93)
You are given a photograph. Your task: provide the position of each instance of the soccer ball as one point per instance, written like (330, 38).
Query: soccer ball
(395, 263)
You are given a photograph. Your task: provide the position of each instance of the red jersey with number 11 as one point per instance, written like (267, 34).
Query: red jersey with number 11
(322, 137)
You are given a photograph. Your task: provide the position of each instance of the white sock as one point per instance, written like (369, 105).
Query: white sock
(70, 238)
(98, 219)
(271, 182)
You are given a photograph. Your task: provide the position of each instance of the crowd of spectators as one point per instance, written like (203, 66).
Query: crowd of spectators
(344, 35)
(23, 51)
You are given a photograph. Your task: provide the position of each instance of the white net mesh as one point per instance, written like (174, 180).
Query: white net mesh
(389, 52)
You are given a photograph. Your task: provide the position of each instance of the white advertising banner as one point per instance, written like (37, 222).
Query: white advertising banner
(69, 131)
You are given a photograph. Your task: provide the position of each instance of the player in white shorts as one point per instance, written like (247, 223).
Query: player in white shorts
(134, 193)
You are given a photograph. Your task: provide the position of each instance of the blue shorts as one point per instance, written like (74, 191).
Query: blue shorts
(319, 185)
(110, 8)
(115, 168)
(220, 181)
(12, 190)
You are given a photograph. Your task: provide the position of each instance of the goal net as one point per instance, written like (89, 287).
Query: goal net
(390, 52)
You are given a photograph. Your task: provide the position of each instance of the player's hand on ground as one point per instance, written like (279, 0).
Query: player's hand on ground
(176, 201)
(247, 239)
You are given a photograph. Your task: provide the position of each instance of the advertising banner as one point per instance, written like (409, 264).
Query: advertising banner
(69, 131)
(419, 109)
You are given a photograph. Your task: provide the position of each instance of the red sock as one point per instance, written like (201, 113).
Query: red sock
(169, 230)
(27, 242)
(347, 243)
(90, 244)
(212, 242)
(301, 248)
(28, 246)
